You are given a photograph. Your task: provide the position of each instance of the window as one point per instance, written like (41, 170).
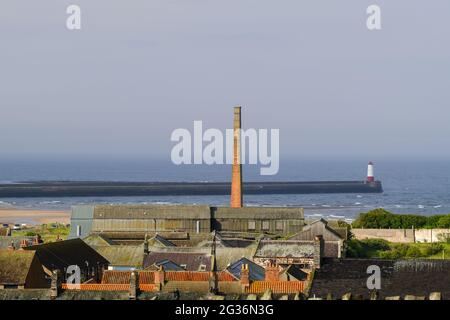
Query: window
(78, 231)
(203, 267)
(279, 225)
(265, 225)
(251, 225)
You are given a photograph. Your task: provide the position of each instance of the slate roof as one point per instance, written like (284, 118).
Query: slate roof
(285, 248)
(398, 277)
(192, 260)
(14, 266)
(169, 265)
(297, 273)
(256, 272)
(61, 254)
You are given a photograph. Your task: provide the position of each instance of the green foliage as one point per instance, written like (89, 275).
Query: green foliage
(343, 224)
(380, 218)
(365, 248)
(444, 237)
(377, 248)
(432, 249)
(47, 234)
(444, 222)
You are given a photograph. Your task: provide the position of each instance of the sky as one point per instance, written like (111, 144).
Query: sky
(138, 70)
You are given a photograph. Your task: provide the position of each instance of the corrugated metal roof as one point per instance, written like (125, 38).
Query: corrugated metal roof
(151, 212)
(268, 213)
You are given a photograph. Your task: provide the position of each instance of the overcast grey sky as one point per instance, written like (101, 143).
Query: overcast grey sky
(140, 69)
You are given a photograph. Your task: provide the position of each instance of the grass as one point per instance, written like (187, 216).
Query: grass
(48, 232)
(376, 248)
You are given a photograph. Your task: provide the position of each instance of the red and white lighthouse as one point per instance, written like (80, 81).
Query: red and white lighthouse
(370, 177)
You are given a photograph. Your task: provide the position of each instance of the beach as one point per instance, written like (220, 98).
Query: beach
(33, 217)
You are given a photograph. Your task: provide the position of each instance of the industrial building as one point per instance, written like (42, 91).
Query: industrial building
(128, 222)
(135, 221)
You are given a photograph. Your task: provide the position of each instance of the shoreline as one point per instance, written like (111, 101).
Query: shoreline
(33, 217)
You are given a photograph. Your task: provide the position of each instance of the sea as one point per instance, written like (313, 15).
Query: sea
(415, 186)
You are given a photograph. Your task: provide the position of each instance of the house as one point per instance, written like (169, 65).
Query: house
(334, 238)
(190, 261)
(255, 272)
(21, 269)
(61, 255)
(307, 254)
(122, 257)
(222, 282)
(135, 221)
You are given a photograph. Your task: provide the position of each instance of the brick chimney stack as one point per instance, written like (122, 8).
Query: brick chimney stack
(37, 240)
(236, 180)
(23, 243)
(160, 276)
(245, 276)
(272, 273)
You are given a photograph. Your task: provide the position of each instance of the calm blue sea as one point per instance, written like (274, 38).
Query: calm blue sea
(410, 186)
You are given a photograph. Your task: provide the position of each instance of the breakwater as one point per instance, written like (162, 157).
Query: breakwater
(107, 189)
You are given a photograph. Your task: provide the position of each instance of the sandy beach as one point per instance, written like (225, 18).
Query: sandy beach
(33, 217)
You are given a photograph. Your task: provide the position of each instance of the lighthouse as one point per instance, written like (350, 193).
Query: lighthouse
(370, 177)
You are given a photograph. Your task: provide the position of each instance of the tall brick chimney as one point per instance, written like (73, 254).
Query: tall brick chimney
(236, 180)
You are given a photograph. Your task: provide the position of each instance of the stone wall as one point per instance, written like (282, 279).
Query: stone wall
(402, 235)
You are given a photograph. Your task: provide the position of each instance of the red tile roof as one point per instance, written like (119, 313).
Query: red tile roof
(225, 276)
(148, 287)
(116, 277)
(96, 287)
(186, 276)
(146, 277)
(276, 286)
